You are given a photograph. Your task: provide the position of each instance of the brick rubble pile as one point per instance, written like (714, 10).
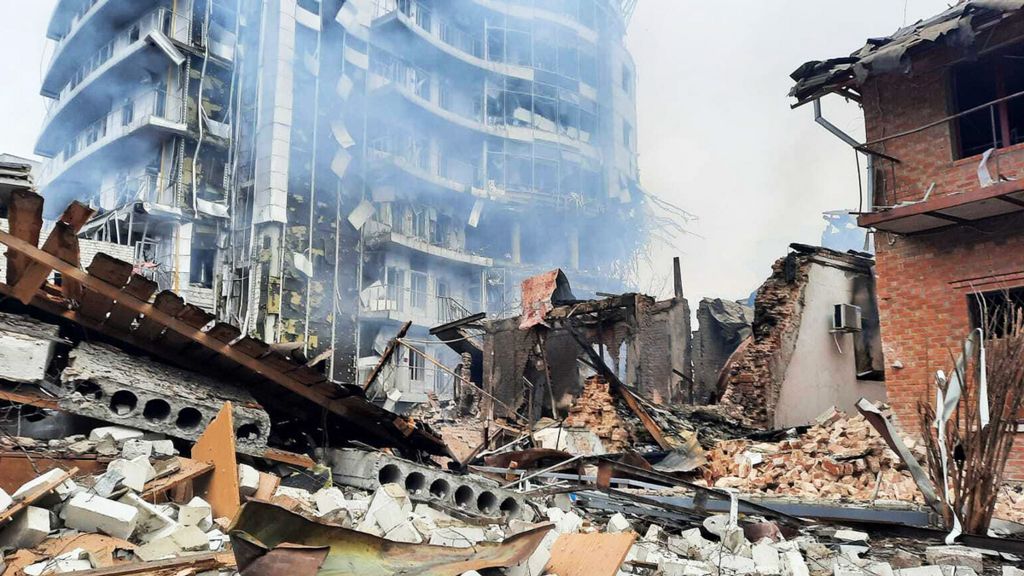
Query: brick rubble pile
(595, 410)
(841, 458)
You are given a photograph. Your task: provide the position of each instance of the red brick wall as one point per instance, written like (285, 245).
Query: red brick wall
(924, 280)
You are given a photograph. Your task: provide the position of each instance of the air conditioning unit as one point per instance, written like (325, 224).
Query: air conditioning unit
(846, 318)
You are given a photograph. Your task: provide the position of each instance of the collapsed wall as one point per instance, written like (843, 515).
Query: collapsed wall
(723, 326)
(754, 378)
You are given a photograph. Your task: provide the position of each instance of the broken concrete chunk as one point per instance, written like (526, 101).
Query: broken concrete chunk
(136, 447)
(534, 565)
(767, 559)
(1012, 571)
(28, 529)
(248, 480)
(216, 540)
(457, 536)
(684, 568)
(107, 483)
(793, 564)
(90, 513)
(152, 521)
(5, 500)
(955, 556)
(119, 434)
(37, 482)
(328, 500)
(163, 449)
(135, 472)
(76, 560)
(618, 523)
(903, 559)
(851, 536)
(197, 512)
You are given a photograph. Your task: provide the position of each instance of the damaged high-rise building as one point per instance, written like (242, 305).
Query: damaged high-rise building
(320, 172)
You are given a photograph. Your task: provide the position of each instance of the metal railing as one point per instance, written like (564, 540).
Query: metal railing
(417, 304)
(118, 122)
(173, 25)
(885, 185)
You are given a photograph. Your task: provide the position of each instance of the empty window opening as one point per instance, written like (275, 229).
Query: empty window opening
(996, 311)
(978, 84)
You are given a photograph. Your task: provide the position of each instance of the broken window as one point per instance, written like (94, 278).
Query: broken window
(418, 290)
(994, 311)
(627, 79)
(417, 366)
(495, 44)
(978, 84)
(627, 134)
(518, 48)
(395, 287)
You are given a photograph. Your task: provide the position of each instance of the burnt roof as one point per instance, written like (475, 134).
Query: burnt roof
(957, 27)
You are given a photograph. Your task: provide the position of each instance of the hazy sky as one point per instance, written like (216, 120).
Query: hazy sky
(716, 134)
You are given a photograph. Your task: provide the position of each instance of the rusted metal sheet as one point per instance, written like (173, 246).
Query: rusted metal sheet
(261, 526)
(290, 559)
(539, 293)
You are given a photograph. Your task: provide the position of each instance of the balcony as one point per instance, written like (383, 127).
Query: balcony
(397, 303)
(87, 31)
(445, 38)
(140, 124)
(144, 45)
(385, 161)
(975, 204)
(539, 10)
(380, 235)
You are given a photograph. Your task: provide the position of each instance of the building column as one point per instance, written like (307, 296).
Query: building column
(517, 235)
(574, 248)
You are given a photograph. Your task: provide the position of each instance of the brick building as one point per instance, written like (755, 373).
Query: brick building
(943, 103)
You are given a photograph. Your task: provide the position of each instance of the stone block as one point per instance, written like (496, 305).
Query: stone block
(28, 529)
(152, 521)
(684, 568)
(91, 513)
(197, 512)
(248, 480)
(5, 500)
(851, 536)
(36, 482)
(328, 500)
(618, 523)
(163, 449)
(76, 560)
(767, 559)
(136, 472)
(389, 508)
(793, 564)
(119, 434)
(955, 556)
(532, 566)
(136, 447)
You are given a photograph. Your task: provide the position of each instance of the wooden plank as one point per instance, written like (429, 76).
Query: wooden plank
(188, 564)
(285, 457)
(217, 446)
(224, 332)
(189, 470)
(33, 495)
(386, 356)
(595, 554)
(25, 218)
(61, 243)
(251, 347)
(29, 399)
